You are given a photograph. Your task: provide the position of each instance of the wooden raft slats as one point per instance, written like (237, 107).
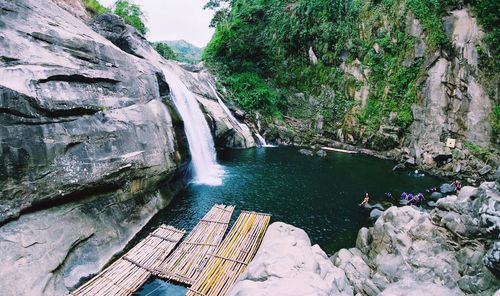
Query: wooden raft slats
(232, 256)
(133, 269)
(187, 261)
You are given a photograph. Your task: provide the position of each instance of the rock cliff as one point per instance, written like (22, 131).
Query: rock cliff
(86, 141)
(411, 76)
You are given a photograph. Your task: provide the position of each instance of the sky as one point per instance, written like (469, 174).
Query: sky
(175, 19)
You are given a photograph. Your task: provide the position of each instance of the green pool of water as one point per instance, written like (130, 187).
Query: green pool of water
(319, 195)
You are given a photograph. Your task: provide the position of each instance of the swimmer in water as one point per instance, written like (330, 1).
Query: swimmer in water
(365, 200)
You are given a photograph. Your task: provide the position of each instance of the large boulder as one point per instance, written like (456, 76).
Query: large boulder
(287, 264)
(447, 188)
(86, 140)
(444, 252)
(474, 214)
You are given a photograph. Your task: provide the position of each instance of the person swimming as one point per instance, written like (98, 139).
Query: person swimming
(365, 200)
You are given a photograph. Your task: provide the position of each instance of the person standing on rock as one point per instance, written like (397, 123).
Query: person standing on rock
(458, 185)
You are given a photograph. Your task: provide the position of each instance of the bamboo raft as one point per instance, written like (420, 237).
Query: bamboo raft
(232, 256)
(189, 258)
(133, 269)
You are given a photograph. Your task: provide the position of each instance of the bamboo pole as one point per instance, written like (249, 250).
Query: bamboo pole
(187, 261)
(232, 256)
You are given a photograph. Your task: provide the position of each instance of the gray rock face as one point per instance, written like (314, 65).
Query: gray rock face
(484, 170)
(48, 252)
(411, 288)
(455, 104)
(451, 251)
(73, 117)
(287, 264)
(85, 140)
(321, 153)
(474, 213)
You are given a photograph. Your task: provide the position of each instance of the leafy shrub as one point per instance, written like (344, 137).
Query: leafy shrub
(251, 92)
(164, 50)
(480, 152)
(94, 7)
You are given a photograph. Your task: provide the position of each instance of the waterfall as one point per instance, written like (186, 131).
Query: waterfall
(262, 141)
(235, 121)
(201, 144)
(244, 127)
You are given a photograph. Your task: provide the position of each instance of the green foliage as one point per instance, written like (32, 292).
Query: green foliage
(429, 13)
(488, 13)
(267, 42)
(371, 116)
(185, 51)
(251, 92)
(495, 120)
(94, 7)
(479, 152)
(164, 50)
(221, 11)
(131, 14)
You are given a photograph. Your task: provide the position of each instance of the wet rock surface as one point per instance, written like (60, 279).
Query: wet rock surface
(453, 250)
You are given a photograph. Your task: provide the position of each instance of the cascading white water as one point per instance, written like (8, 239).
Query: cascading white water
(201, 145)
(244, 127)
(262, 141)
(232, 118)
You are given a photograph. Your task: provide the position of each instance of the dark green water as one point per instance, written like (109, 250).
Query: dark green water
(319, 195)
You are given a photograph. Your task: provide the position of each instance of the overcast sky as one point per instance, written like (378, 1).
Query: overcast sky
(175, 19)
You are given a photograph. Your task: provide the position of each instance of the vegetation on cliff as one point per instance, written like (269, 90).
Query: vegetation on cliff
(266, 51)
(130, 12)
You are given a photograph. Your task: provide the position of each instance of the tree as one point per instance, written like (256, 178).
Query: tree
(164, 50)
(221, 10)
(131, 14)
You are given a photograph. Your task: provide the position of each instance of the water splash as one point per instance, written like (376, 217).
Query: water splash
(201, 144)
(263, 142)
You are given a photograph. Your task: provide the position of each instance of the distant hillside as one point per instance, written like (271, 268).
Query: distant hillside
(185, 51)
